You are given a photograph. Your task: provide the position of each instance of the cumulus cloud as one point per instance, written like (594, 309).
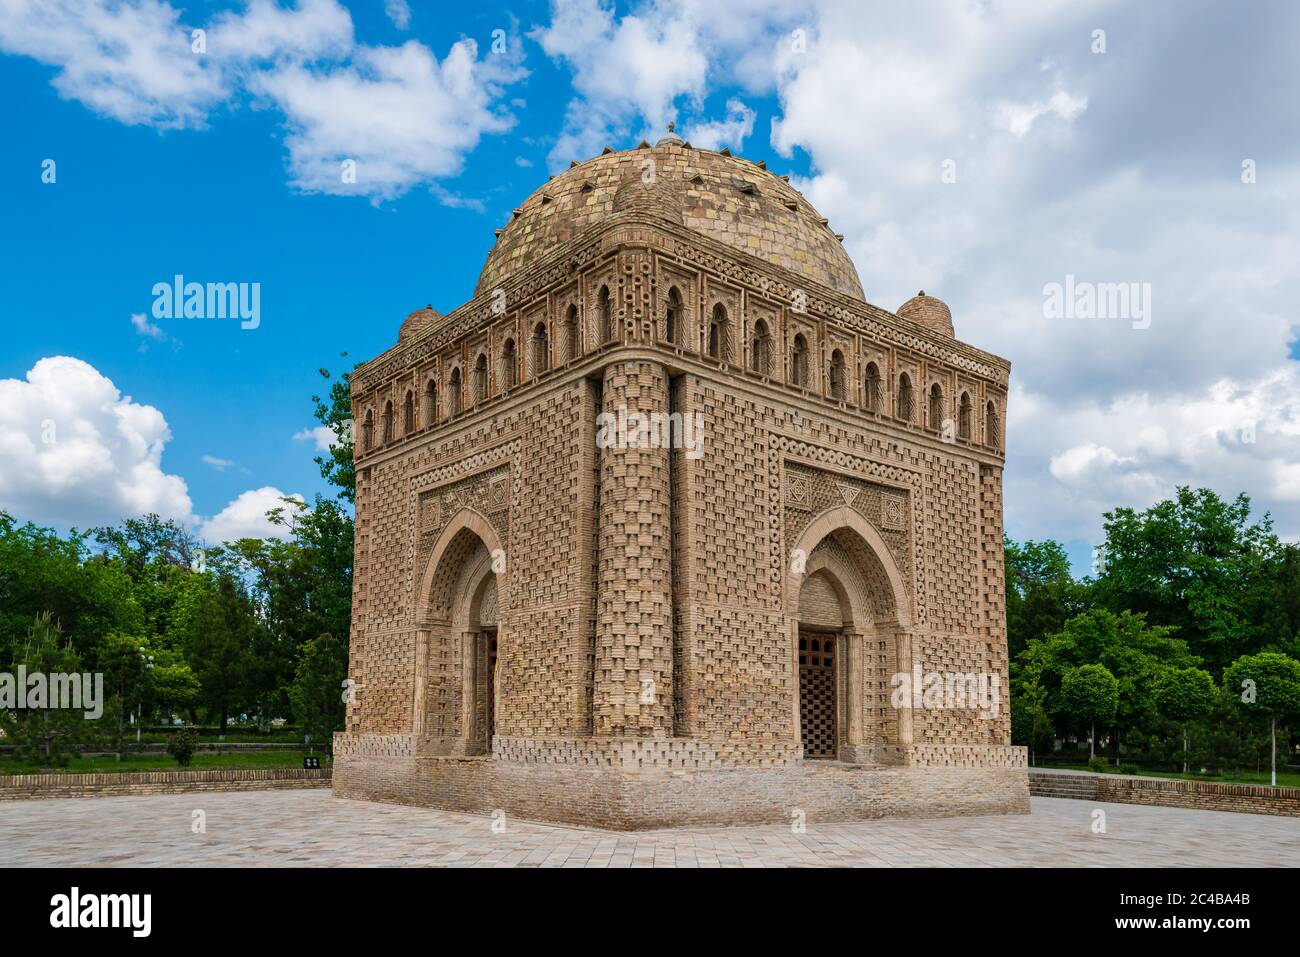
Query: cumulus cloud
(320, 436)
(143, 327)
(132, 60)
(400, 114)
(245, 517)
(983, 151)
(732, 131)
(399, 11)
(75, 451)
(629, 71)
(397, 114)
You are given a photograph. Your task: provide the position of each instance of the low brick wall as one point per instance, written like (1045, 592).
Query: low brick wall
(103, 784)
(1167, 792)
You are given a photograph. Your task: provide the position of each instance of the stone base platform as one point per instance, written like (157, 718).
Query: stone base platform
(616, 798)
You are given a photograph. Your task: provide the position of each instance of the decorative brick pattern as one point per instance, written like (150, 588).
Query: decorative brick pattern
(534, 611)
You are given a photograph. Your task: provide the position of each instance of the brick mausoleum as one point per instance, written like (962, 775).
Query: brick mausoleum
(623, 634)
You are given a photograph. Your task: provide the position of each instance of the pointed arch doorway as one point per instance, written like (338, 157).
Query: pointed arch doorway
(850, 613)
(458, 679)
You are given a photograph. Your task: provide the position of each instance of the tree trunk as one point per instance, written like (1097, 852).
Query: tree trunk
(1092, 743)
(1185, 736)
(1272, 723)
(225, 716)
(121, 717)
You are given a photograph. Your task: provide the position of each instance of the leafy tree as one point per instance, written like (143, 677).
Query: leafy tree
(1134, 652)
(1269, 685)
(1031, 725)
(45, 734)
(317, 691)
(1183, 695)
(1091, 694)
(1041, 593)
(122, 659)
(217, 646)
(43, 572)
(1195, 563)
(334, 411)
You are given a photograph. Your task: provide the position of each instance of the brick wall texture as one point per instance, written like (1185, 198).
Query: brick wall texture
(667, 433)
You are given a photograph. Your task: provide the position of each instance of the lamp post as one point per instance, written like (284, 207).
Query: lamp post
(146, 664)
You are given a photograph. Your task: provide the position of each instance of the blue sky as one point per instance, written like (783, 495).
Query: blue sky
(1117, 165)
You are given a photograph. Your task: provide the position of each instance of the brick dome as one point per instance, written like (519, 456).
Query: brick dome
(928, 311)
(417, 321)
(724, 197)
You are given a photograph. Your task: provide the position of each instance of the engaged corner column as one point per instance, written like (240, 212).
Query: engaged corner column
(904, 653)
(633, 692)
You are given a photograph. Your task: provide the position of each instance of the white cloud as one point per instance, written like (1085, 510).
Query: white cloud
(217, 463)
(399, 11)
(404, 117)
(140, 322)
(1019, 118)
(629, 71)
(398, 113)
(245, 517)
(267, 31)
(129, 60)
(75, 451)
(1110, 168)
(322, 436)
(715, 134)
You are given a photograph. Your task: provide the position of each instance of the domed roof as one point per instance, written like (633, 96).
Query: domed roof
(724, 197)
(928, 311)
(416, 321)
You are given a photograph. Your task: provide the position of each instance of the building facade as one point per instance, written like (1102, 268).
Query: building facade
(668, 525)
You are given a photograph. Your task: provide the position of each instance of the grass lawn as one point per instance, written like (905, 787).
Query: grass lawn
(1285, 779)
(165, 762)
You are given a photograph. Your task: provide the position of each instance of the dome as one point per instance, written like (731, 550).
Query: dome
(928, 311)
(649, 194)
(724, 197)
(416, 321)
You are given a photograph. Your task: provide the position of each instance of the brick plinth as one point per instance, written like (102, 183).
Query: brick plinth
(627, 800)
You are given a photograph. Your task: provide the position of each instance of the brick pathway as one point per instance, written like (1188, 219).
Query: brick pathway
(312, 828)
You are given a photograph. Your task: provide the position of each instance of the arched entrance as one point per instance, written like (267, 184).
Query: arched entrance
(851, 636)
(457, 689)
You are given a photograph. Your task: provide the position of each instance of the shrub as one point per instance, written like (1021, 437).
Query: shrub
(181, 745)
(1128, 769)
(1097, 764)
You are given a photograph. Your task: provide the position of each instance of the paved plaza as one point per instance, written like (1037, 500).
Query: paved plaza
(311, 827)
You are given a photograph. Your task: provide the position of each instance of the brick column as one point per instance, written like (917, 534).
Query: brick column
(905, 667)
(633, 686)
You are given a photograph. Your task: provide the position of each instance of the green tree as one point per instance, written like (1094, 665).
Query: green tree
(217, 647)
(1041, 593)
(1091, 694)
(1195, 563)
(1268, 684)
(1133, 651)
(317, 692)
(334, 411)
(44, 733)
(124, 663)
(1031, 725)
(1184, 695)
